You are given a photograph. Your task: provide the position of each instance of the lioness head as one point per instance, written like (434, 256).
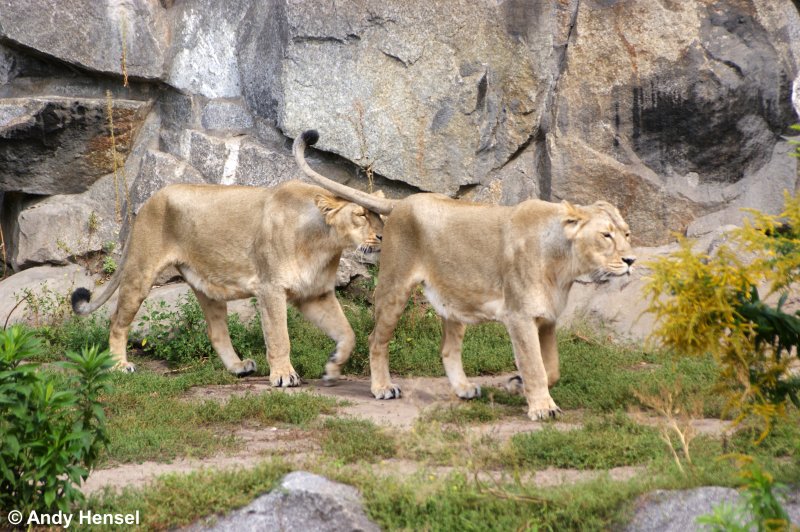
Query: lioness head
(601, 240)
(353, 223)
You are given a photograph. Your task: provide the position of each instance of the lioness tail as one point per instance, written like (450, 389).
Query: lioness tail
(368, 201)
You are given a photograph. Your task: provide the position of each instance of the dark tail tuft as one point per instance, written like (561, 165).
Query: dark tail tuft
(79, 296)
(310, 137)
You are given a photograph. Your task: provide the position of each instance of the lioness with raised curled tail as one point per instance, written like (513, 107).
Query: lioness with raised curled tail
(278, 245)
(480, 263)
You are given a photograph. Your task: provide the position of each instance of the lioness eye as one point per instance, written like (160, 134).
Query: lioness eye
(607, 235)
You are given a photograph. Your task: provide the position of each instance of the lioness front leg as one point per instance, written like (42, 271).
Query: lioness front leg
(276, 335)
(527, 353)
(216, 313)
(549, 345)
(452, 339)
(326, 313)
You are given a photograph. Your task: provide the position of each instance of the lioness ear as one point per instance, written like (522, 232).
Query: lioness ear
(379, 194)
(574, 218)
(328, 205)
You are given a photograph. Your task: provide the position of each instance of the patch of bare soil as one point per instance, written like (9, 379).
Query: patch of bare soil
(419, 393)
(257, 443)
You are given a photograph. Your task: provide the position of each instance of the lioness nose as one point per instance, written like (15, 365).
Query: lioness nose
(629, 260)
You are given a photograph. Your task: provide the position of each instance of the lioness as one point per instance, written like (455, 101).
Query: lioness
(480, 263)
(278, 245)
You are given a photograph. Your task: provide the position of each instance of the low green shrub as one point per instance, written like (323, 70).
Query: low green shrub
(52, 430)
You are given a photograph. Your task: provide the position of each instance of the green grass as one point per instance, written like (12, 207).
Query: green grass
(149, 420)
(458, 503)
(602, 443)
(354, 440)
(602, 377)
(155, 427)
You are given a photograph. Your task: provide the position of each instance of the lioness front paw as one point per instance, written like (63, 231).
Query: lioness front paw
(244, 368)
(125, 367)
(470, 391)
(289, 380)
(543, 409)
(392, 391)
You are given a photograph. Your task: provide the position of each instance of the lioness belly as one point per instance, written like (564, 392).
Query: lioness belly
(462, 311)
(214, 289)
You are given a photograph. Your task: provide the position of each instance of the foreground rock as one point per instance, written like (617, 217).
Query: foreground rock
(303, 501)
(677, 511)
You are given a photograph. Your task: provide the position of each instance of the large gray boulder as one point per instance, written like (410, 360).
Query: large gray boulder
(436, 95)
(302, 501)
(674, 111)
(678, 510)
(124, 36)
(62, 145)
(202, 58)
(159, 169)
(52, 229)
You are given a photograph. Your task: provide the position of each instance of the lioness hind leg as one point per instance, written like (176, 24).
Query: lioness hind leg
(133, 289)
(452, 338)
(216, 313)
(326, 313)
(390, 301)
(528, 356)
(276, 335)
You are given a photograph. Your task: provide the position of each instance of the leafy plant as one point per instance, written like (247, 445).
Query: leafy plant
(760, 510)
(711, 304)
(178, 336)
(51, 435)
(109, 265)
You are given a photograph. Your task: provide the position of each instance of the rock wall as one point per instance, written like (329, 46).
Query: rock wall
(677, 111)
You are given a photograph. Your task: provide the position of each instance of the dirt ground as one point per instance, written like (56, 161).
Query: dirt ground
(419, 394)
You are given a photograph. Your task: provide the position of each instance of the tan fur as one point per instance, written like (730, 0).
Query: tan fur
(480, 263)
(278, 245)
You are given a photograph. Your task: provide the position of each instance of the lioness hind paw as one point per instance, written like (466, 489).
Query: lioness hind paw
(286, 381)
(390, 392)
(248, 367)
(327, 380)
(125, 367)
(469, 392)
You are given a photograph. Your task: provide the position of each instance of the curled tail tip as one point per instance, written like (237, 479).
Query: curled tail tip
(79, 298)
(310, 136)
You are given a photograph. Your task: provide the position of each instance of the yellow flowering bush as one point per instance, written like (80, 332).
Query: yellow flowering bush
(711, 303)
